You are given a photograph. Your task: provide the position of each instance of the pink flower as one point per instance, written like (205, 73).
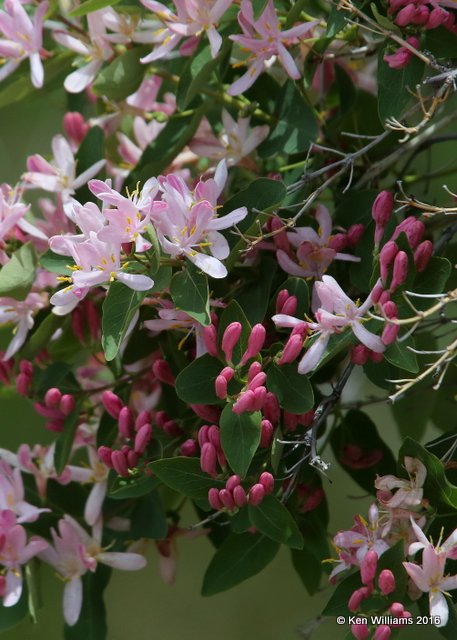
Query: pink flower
(74, 553)
(12, 212)
(15, 552)
(409, 492)
(12, 495)
(264, 39)
(127, 28)
(59, 176)
(20, 313)
(23, 39)
(97, 474)
(187, 223)
(312, 250)
(193, 18)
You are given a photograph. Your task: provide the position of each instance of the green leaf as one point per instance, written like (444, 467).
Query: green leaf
(432, 280)
(91, 624)
(307, 562)
(360, 450)
(195, 384)
(441, 42)
(239, 557)
(256, 294)
(273, 519)
(18, 275)
(119, 308)
(398, 354)
(293, 390)
(437, 488)
(258, 7)
(338, 603)
(123, 76)
(197, 72)
(383, 21)
(64, 442)
(58, 374)
(412, 411)
(234, 313)
(92, 5)
(185, 476)
(394, 85)
(41, 337)
(159, 154)
(336, 21)
(148, 518)
(11, 616)
(296, 125)
(55, 263)
(189, 291)
(240, 437)
(132, 487)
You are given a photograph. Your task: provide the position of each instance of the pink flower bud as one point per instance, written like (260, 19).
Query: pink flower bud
(214, 436)
(256, 494)
(189, 448)
(375, 357)
(382, 208)
(203, 435)
(112, 403)
(143, 438)
(220, 386)
(267, 434)
(390, 333)
(119, 463)
(360, 631)
(55, 425)
(228, 373)
(390, 309)
(421, 15)
(232, 482)
(415, 233)
(46, 412)
(208, 459)
(132, 459)
(214, 500)
(402, 56)
(257, 381)
(230, 338)
(383, 632)
(290, 306)
(357, 598)
(268, 482)
(386, 258)
(405, 15)
(384, 297)
(52, 397)
(206, 412)
(254, 369)
(422, 255)
(75, 127)
(396, 609)
(377, 292)
(210, 340)
(226, 498)
(280, 238)
(338, 242)
(386, 582)
(239, 496)
(255, 343)
(26, 367)
(368, 567)
(359, 355)
(162, 371)
(144, 417)
(437, 17)
(23, 382)
(104, 453)
(245, 402)
(271, 410)
(259, 398)
(67, 404)
(400, 271)
(300, 329)
(172, 429)
(281, 298)
(354, 235)
(292, 349)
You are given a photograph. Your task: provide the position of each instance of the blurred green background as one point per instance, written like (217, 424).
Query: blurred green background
(271, 606)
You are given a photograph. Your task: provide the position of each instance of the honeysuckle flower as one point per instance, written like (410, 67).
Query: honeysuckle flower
(20, 313)
(96, 473)
(127, 28)
(15, 552)
(192, 18)
(264, 39)
(430, 579)
(234, 142)
(12, 495)
(74, 553)
(187, 223)
(312, 250)
(446, 549)
(12, 212)
(59, 176)
(95, 50)
(336, 312)
(172, 318)
(409, 492)
(23, 39)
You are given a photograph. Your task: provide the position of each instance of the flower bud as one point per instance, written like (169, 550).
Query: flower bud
(104, 453)
(52, 397)
(75, 127)
(143, 438)
(271, 410)
(208, 459)
(227, 500)
(214, 500)
(281, 298)
(203, 435)
(228, 373)
(406, 15)
(257, 381)
(112, 403)
(239, 496)
(119, 463)
(386, 582)
(382, 208)
(354, 235)
(280, 238)
(290, 306)
(397, 609)
(400, 271)
(162, 371)
(292, 349)
(144, 417)
(383, 632)
(254, 369)
(189, 448)
(359, 355)
(268, 482)
(255, 343)
(23, 382)
(26, 367)
(206, 412)
(266, 435)
(232, 482)
(220, 386)
(368, 567)
(421, 15)
(437, 17)
(210, 340)
(230, 338)
(256, 494)
(132, 459)
(245, 402)
(125, 421)
(214, 436)
(390, 309)
(338, 242)
(360, 631)
(377, 292)
(422, 255)
(357, 598)
(386, 258)
(259, 398)
(67, 404)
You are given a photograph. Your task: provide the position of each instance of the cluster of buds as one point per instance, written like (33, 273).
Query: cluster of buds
(234, 496)
(135, 432)
(361, 630)
(56, 408)
(209, 439)
(24, 378)
(75, 127)
(231, 337)
(360, 354)
(420, 13)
